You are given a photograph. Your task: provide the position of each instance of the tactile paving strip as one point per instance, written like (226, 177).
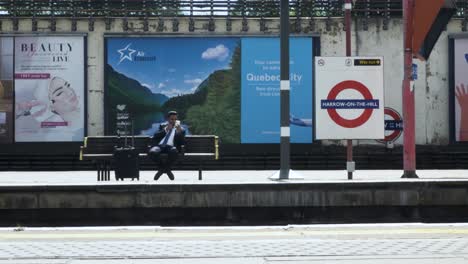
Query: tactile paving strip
(231, 248)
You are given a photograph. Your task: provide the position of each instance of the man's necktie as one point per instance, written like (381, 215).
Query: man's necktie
(166, 138)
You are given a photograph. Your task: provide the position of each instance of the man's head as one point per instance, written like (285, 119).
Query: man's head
(62, 97)
(172, 117)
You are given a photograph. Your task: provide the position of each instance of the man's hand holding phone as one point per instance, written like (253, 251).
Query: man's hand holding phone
(178, 126)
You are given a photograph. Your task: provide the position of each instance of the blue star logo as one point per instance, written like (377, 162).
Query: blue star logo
(126, 53)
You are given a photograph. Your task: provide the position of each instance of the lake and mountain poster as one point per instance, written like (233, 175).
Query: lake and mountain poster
(197, 77)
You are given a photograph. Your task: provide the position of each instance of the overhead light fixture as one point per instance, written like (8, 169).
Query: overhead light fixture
(125, 24)
(245, 25)
(228, 24)
(191, 25)
(34, 24)
(53, 24)
(211, 25)
(15, 24)
(91, 24)
(311, 24)
(298, 26)
(160, 25)
(175, 25)
(145, 24)
(263, 27)
(73, 24)
(108, 23)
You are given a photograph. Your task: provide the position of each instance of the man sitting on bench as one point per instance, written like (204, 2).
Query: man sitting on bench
(168, 139)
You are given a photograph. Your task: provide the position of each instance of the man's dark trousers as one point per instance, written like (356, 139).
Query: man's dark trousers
(172, 153)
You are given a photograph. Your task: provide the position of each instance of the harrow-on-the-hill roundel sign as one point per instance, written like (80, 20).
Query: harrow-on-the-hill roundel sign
(393, 125)
(349, 101)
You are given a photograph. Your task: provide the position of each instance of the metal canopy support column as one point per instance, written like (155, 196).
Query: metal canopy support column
(285, 153)
(409, 148)
(284, 91)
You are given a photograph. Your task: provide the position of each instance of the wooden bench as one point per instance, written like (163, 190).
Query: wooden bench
(100, 149)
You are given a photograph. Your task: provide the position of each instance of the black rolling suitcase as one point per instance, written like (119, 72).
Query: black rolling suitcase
(126, 162)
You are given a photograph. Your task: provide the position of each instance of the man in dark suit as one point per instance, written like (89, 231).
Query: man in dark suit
(168, 139)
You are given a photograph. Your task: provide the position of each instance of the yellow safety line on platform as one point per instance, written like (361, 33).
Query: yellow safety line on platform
(38, 235)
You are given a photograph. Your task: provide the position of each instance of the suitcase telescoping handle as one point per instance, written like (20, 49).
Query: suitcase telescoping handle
(133, 136)
(126, 135)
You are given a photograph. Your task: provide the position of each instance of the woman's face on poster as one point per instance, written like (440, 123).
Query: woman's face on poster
(62, 96)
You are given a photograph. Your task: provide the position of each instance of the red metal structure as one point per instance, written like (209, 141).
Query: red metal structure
(424, 20)
(409, 147)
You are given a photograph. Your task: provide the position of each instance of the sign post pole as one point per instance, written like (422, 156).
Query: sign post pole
(349, 143)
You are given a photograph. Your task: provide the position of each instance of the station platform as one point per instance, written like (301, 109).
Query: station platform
(232, 198)
(37, 178)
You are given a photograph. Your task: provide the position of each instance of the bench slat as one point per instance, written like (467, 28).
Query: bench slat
(145, 154)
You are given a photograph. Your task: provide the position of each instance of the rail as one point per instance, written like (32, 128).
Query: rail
(197, 8)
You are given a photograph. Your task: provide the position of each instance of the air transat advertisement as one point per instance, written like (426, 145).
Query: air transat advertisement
(212, 82)
(260, 122)
(197, 77)
(49, 89)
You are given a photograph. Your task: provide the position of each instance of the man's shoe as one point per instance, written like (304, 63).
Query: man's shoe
(170, 175)
(157, 175)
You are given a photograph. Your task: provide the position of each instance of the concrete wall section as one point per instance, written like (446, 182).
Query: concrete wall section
(363, 194)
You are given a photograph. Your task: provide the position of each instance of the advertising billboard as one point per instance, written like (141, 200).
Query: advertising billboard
(460, 90)
(260, 122)
(6, 90)
(49, 88)
(200, 78)
(197, 77)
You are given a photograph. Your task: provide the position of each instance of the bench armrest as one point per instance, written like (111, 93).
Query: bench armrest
(81, 152)
(182, 150)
